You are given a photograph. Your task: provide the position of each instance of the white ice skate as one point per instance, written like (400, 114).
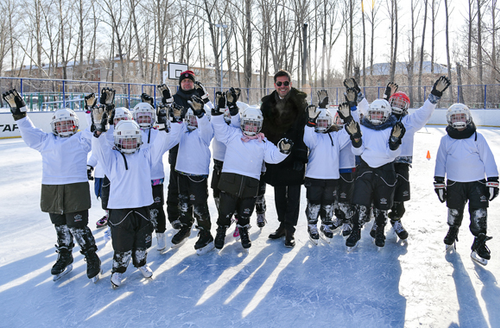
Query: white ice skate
(146, 271)
(67, 270)
(161, 243)
(312, 230)
(478, 259)
(116, 280)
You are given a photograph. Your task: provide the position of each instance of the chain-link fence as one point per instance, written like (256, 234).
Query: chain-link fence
(50, 94)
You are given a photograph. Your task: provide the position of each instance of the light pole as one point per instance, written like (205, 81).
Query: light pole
(221, 48)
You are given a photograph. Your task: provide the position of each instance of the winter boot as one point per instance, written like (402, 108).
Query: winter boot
(312, 229)
(261, 220)
(93, 261)
(289, 239)
(481, 252)
(451, 236)
(160, 241)
(399, 229)
(280, 232)
(181, 236)
(204, 242)
(245, 238)
(64, 260)
(220, 237)
(146, 271)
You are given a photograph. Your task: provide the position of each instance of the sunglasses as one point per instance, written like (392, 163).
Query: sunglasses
(279, 83)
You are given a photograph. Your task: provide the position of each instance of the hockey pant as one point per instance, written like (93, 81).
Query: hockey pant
(131, 231)
(343, 207)
(287, 201)
(193, 196)
(476, 193)
(229, 204)
(73, 225)
(214, 184)
(320, 194)
(260, 201)
(401, 192)
(173, 212)
(157, 212)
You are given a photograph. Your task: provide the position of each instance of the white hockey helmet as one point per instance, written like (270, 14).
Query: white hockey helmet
(121, 113)
(144, 114)
(324, 120)
(191, 120)
(127, 136)
(458, 116)
(251, 121)
(64, 122)
(399, 103)
(379, 111)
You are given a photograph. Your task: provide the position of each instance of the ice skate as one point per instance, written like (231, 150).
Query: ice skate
(63, 265)
(205, 242)
(181, 236)
(116, 280)
(373, 230)
(451, 238)
(399, 229)
(312, 229)
(346, 229)
(480, 252)
(380, 238)
(102, 222)
(336, 223)
(93, 263)
(220, 237)
(261, 220)
(146, 271)
(161, 243)
(352, 240)
(326, 233)
(236, 233)
(245, 238)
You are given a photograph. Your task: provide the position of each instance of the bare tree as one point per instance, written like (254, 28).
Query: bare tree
(420, 66)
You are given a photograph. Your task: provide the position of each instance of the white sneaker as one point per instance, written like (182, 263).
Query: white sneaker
(116, 280)
(161, 242)
(146, 271)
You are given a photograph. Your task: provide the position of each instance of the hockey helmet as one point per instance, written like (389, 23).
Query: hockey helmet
(458, 116)
(144, 114)
(337, 120)
(399, 103)
(324, 120)
(127, 136)
(121, 113)
(191, 120)
(64, 122)
(251, 121)
(379, 111)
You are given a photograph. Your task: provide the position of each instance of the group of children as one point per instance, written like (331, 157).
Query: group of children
(128, 146)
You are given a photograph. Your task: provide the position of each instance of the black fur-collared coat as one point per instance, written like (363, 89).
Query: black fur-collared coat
(285, 118)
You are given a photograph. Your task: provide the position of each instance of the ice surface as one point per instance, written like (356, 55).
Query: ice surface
(413, 284)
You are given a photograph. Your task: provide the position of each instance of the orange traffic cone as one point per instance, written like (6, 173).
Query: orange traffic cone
(428, 155)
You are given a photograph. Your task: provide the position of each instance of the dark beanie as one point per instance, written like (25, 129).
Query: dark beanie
(186, 75)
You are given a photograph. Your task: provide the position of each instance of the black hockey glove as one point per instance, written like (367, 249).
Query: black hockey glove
(397, 133)
(323, 98)
(90, 101)
(440, 188)
(312, 114)
(166, 94)
(440, 86)
(232, 96)
(390, 89)
(285, 146)
(351, 96)
(100, 118)
(90, 169)
(220, 103)
(352, 128)
(147, 99)
(345, 112)
(351, 83)
(177, 112)
(16, 103)
(197, 104)
(492, 185)
(201, 91)
(107, 97)
(162, 118)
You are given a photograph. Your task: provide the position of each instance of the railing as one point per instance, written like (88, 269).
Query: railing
(50, 94)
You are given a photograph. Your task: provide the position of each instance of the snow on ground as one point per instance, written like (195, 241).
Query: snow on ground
(403, 285)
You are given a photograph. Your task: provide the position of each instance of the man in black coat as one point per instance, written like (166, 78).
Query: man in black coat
(284, 117)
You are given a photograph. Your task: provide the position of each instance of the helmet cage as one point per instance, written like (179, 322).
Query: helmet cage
(144, 114)
(400, 103)
(64, 123)
(324, 121)
(121, 114)
(458, 116)
(379, 111)
(251, 121)
(127, 137)
(191, 120)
